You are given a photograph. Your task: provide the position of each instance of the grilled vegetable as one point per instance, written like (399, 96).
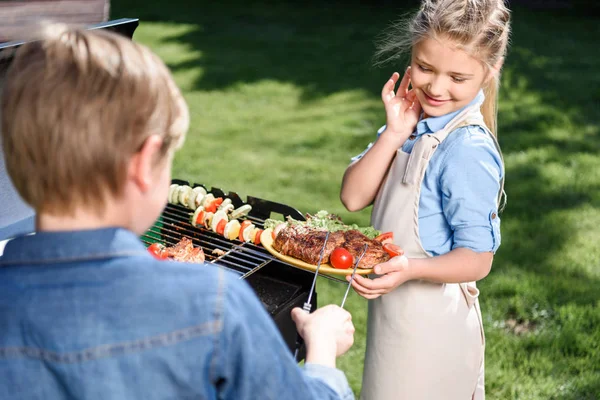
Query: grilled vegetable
(184, 195)
(217, 218)
(158, 251)
(256, 235)
(245, 229)
(198, 191)
(214, 204)
(208, 216)
(198, 217)
(232, 229)
(241, 211)
(172, 189)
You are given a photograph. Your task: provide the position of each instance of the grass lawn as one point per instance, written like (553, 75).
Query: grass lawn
(282, 95)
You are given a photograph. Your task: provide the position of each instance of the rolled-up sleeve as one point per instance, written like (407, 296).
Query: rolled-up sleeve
(359, 156)
(470, 181)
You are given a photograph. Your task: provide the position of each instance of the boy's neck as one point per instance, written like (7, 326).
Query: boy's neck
(81, 220)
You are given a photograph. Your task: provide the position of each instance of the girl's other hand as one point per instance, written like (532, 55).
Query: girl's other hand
(394, 273)
(402, 107)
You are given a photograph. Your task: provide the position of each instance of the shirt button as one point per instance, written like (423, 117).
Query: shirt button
(412, 137)
(493, 215)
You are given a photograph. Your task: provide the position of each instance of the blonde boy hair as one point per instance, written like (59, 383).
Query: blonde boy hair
(76, 106)
(480, 27)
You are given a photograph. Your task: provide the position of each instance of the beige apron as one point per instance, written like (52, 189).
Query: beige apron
(424, 340)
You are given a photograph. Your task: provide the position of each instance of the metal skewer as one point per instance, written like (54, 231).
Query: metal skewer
(353, 273)
(307, 305)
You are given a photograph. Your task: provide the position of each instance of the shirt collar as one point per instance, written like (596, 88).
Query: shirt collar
(434, 124)
(72, 246)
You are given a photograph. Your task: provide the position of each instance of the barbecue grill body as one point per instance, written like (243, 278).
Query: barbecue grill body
(279, 286)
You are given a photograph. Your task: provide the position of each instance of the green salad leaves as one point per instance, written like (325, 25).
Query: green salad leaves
(325, 220)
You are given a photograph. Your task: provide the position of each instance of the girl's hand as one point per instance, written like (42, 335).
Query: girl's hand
(394, 273)
(402, 108)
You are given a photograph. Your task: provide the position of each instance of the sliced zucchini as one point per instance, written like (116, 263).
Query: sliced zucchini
(241, 211)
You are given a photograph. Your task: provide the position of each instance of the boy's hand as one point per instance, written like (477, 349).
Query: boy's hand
(402, 108)
(394, 273)
(328, 332)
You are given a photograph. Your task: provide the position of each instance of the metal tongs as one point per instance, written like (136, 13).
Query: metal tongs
(354, 273)
(307, 305)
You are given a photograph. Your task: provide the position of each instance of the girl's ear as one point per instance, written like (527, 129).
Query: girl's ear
(141, 165)
(495, 70)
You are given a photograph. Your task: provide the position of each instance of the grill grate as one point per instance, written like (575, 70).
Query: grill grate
(243, 258)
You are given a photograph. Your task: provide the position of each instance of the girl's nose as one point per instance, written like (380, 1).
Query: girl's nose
(436, 87)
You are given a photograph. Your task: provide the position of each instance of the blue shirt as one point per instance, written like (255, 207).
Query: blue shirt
(91, 315)
(458, 204)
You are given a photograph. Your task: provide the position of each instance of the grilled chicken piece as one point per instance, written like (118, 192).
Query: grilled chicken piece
(355, 242)
(184, 251)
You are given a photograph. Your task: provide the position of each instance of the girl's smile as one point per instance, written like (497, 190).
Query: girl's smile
(445, 78)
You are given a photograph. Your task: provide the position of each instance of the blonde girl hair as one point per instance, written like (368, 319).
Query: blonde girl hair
(479, 27)
(76, 106)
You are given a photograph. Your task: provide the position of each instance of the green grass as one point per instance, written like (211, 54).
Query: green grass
(282, 95)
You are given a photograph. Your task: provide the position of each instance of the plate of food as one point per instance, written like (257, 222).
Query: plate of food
(300, 242)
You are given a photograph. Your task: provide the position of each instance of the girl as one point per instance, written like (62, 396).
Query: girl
(435, 175)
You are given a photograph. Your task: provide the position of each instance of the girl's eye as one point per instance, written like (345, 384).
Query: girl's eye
(458, 80)
(422, 68)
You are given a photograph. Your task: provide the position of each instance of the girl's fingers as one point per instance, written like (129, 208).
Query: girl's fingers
(389, 86)
(403, 88)
(365, 290)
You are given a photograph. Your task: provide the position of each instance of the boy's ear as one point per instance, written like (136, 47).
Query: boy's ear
(142, 163)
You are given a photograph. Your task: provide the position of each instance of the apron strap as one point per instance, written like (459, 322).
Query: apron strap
(427, 144)
(477, 120)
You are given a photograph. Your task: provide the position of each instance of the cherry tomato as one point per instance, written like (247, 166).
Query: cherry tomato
(386, 237)
(392, 249)
(158, 251)
(220, 228)
(341, 258)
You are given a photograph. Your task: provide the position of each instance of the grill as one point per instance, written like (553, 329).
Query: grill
(279, 286)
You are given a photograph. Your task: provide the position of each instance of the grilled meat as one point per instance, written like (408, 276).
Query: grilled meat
(354, 242)
(305, 243)
(184, 251)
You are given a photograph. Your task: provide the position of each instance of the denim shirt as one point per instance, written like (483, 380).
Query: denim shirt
(458, 201)
(92, 315)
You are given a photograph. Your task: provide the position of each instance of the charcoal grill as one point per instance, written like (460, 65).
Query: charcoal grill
(279, 285)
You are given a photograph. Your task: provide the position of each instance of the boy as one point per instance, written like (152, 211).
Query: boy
(90, 122)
